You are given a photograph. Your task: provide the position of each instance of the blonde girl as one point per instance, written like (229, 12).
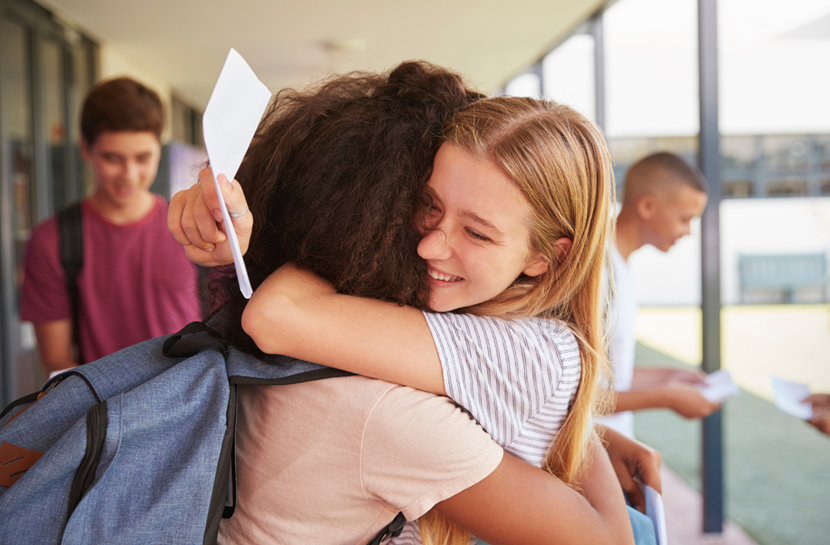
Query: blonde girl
(514, 231)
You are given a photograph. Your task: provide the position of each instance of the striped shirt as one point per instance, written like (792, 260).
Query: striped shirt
(517, 378)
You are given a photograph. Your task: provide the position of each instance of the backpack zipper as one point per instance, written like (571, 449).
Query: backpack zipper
(96, 432)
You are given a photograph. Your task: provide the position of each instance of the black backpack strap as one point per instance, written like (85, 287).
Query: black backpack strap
(393, 529)
(186, 342)
(70, 228)
(189, 341)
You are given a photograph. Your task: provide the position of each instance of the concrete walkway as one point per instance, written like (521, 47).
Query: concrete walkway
(684, 508)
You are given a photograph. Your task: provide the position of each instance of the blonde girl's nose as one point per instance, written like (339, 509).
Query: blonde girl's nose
(434, 245)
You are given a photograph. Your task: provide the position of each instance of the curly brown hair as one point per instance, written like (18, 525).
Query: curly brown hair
(334, 178)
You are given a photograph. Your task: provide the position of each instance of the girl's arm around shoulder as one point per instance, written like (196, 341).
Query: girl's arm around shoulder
(297, 314)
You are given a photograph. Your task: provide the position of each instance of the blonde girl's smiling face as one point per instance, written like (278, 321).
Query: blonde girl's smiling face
(476, 232)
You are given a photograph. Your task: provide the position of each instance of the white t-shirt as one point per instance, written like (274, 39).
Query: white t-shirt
(517, 378)
(623, 318)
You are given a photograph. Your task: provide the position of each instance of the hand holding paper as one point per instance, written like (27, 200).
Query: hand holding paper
(790, 396)
(719, 386)
(821, 412)
(229, 123)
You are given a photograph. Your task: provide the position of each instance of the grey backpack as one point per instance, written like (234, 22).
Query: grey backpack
(137, 447)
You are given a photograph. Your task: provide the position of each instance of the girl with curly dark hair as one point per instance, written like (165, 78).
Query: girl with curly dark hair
(340, 182)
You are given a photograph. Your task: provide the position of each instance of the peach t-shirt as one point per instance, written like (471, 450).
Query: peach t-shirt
(334, 461)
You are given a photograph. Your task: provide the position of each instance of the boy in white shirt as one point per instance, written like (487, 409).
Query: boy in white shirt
(662, 194)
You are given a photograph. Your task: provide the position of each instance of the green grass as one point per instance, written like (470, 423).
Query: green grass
(776, 467)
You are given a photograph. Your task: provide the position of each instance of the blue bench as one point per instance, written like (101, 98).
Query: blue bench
(784, 272)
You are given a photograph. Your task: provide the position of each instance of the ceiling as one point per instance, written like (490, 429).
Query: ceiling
(288, 43)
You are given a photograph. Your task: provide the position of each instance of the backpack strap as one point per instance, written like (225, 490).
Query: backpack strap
(70, 228)
(186, 343)
(198, 336)
(393, 529)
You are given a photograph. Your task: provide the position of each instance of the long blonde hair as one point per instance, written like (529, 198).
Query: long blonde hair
(560, 161)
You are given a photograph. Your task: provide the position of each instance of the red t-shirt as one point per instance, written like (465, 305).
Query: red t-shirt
(135, 284)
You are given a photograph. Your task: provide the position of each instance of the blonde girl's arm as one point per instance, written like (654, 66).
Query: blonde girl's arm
(472, 359)
(297, 314)
(519, 503)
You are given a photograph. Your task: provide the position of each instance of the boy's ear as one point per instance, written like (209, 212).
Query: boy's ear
(646, 206)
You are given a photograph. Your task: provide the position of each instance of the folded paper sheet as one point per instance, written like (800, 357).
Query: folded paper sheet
(788, 397)
(229, 123)
(719, 386)
(656, 512)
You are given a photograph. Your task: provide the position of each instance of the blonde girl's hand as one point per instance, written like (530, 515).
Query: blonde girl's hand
(634, 463)
(195, 220)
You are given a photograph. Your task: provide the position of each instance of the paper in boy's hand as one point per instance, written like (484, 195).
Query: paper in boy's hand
(719, 386)
(789, 397)
(229, 123)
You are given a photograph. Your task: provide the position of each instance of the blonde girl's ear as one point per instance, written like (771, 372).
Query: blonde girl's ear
(562, 248)
(536, 265)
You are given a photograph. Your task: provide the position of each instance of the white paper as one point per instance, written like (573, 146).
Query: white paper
(229, 123)
(719, 386)
(655, 511)
(788, 397)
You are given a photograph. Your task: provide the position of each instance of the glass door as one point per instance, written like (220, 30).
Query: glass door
(45, 71)
(16, 150)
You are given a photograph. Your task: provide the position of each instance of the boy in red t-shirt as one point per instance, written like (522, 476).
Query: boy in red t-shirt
(135, 282)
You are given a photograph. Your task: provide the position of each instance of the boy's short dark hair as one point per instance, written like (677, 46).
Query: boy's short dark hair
(120, 105)
(674, 165)
(663, 169)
